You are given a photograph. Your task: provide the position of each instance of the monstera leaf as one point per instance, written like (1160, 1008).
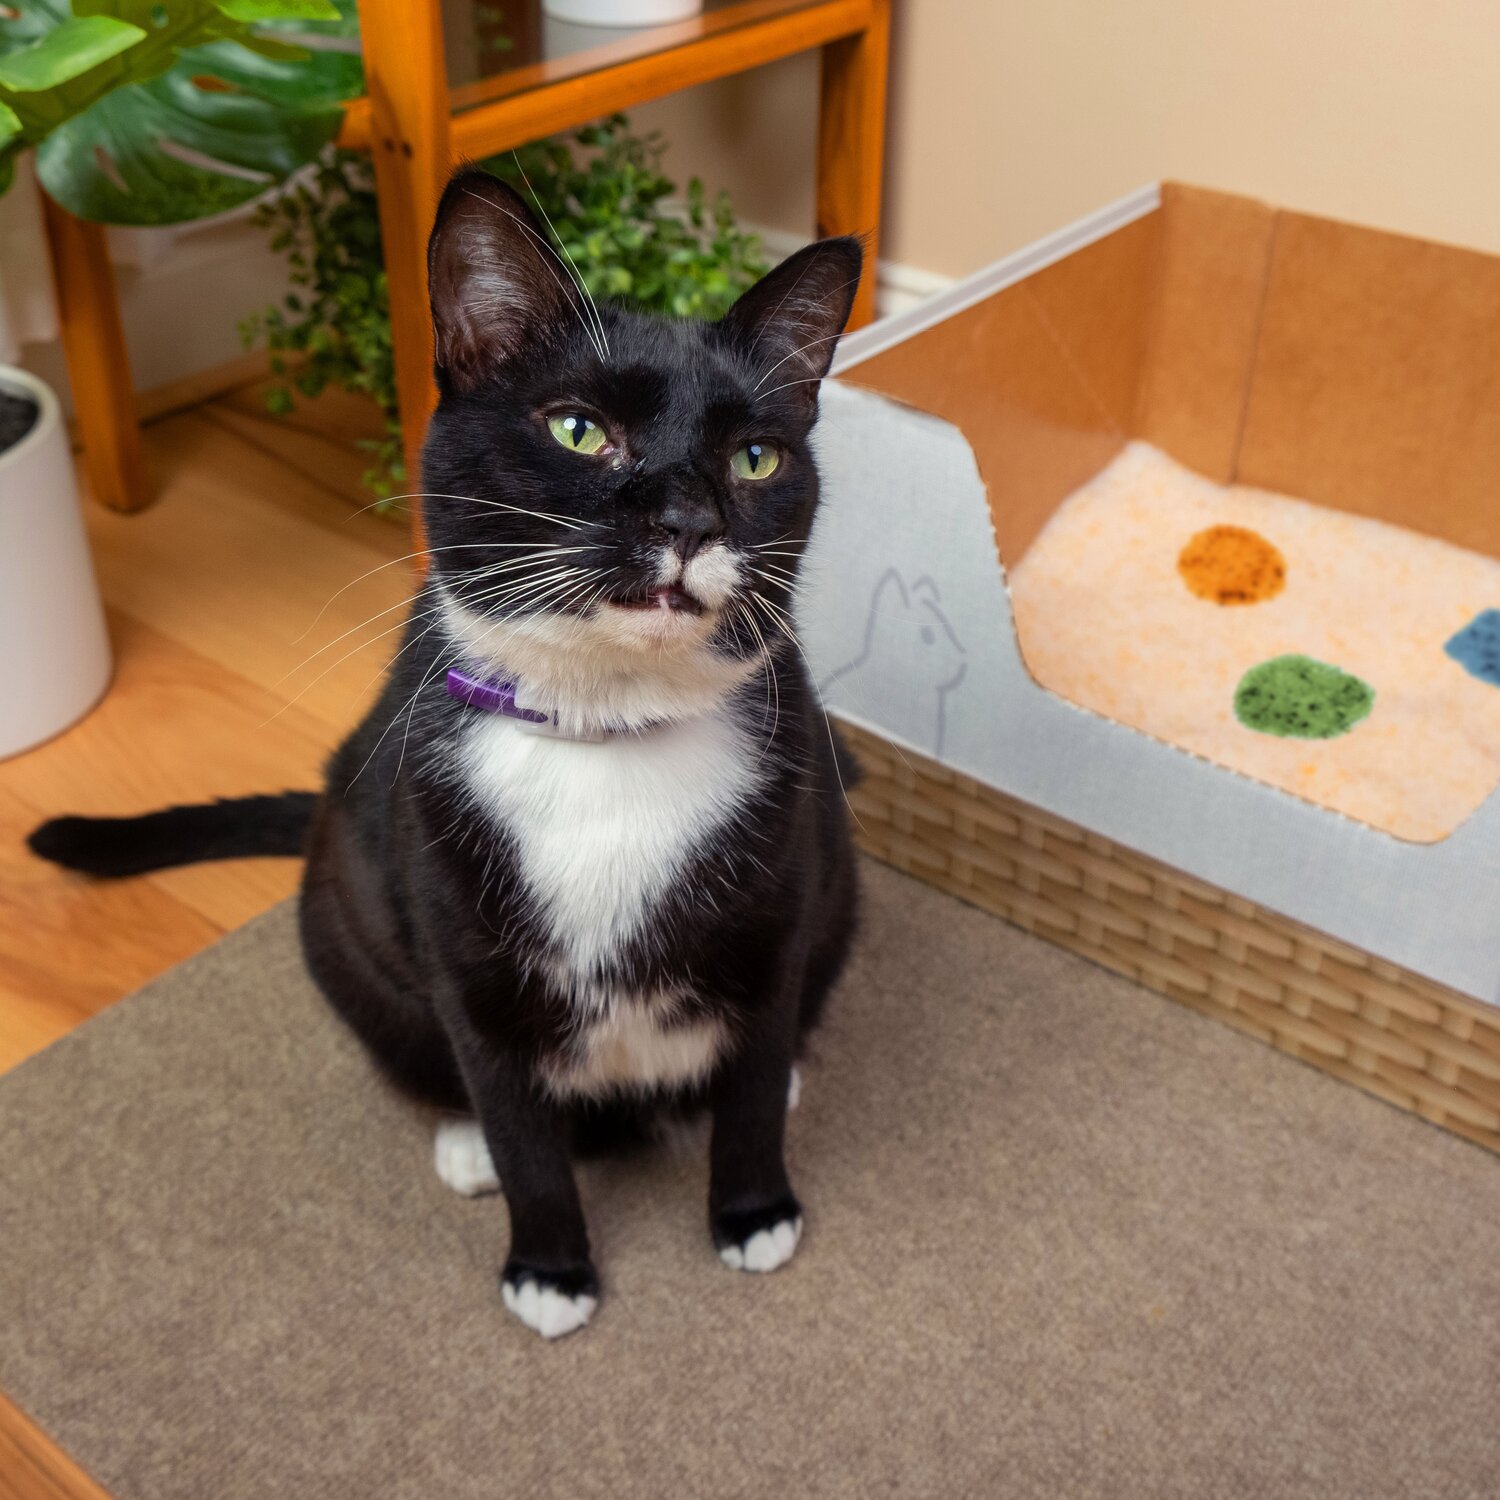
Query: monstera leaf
(153, 113)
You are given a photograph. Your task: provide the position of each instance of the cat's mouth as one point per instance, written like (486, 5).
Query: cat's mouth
(671, 597)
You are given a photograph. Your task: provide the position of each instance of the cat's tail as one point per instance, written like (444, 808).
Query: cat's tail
(231, 828)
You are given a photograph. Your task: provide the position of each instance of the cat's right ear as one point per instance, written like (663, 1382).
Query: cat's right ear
(790, 320)
(498, 289)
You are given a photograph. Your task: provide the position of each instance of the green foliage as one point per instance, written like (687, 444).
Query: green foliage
(607, 209)
(73, 47)
(99, 86)
(606, 197)
(335, 323)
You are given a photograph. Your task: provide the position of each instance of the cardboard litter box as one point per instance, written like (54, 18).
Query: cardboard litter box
(1354, 369)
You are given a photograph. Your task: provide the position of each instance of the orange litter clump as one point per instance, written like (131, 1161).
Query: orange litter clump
(1231, 565)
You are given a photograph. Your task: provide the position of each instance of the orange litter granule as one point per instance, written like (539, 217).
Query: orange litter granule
(1232, 565)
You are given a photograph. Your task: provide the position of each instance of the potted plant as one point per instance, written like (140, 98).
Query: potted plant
(161, 111)
(140, 112)
(57, 662)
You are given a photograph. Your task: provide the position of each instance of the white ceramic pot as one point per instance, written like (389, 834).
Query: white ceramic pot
(54, 650)
(622, 12)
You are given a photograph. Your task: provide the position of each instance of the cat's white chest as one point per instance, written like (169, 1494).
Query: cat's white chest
(601, 830)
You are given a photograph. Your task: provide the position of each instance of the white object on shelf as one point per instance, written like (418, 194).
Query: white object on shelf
(568, 38)
(622, 12)
(56, 663)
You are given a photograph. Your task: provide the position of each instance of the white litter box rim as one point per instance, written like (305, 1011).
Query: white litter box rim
(876, 338)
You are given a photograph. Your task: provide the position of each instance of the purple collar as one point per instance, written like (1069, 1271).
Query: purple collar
(492, 696)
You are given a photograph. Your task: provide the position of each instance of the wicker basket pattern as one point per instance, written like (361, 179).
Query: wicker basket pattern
(1413, 1043)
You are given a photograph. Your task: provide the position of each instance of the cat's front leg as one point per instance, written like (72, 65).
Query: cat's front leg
(548, 1280)
(754, 1216)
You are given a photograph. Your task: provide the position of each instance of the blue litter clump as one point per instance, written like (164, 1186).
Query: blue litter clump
(1476, 648)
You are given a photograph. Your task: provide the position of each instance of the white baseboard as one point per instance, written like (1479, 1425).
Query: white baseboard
(897, 287)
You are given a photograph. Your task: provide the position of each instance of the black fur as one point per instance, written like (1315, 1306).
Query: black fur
(232, 828)
(416, 918)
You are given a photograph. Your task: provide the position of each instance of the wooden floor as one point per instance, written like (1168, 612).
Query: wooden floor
(214, 596)
(221, 597)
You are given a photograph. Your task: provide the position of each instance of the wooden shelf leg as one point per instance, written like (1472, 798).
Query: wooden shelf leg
(851, 144)
(93, 340)
(406, 78)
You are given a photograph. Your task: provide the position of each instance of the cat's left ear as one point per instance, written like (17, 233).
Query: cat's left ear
(791, 319)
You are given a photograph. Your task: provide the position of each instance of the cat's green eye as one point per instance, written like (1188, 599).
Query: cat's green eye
(578, 433)
(755, 461)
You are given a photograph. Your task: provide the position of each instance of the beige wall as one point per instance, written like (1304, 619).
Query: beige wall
(1010, 118)
(752, 134)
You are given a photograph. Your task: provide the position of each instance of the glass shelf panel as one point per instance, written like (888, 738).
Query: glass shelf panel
(500, 47)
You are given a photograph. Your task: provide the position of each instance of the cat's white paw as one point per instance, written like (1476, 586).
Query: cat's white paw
(548, 1310)
(794, 1089)
(463, 1159)
(766, 1249)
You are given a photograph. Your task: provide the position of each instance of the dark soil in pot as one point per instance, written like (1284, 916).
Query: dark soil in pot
(18, 416)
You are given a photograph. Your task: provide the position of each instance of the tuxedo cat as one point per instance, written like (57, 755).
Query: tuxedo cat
(586, 860)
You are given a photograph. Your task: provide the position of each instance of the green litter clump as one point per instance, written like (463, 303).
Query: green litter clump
(1299, 698)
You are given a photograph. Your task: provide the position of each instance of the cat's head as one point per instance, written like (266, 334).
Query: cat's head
(608, 483)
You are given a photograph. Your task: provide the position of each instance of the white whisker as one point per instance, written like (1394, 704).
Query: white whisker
(420, 552)
(788, 384)
(539, 515)
(768, 668)
(510, 593)
(781, 580)
(541, 554)
(577, 274)
(791, 635)
(801, 349)
(766, 323)
(378, 743)
(562, 282)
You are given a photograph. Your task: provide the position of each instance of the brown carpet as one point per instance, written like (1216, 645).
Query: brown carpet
(1065, 1239)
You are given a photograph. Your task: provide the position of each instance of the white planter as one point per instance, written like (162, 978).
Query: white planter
(55, 662)
(622, 12)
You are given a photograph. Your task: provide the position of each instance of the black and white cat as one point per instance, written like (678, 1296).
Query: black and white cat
(586, 860)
